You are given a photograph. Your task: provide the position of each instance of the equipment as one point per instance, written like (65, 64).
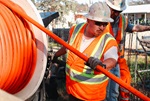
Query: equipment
(118, 5)
(17, 81)
(99, 12)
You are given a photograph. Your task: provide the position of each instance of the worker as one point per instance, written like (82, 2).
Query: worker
(84, 81)
(118, 29)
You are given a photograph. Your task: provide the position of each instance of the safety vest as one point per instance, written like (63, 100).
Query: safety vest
(81, 81)
(120, 37)
(124, 70)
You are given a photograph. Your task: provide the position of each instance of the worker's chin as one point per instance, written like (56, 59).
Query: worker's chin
(114, 17)
(97, 34)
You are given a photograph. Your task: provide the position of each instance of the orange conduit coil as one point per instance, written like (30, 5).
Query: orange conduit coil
(59, 40)
(17, 50)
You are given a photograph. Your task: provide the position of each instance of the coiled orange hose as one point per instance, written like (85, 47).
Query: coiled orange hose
(17, 51)
(59, 40)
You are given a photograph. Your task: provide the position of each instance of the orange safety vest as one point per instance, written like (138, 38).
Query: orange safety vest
(124, 69)
(81, 81)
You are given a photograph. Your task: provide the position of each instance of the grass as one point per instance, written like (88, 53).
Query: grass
(140, 80)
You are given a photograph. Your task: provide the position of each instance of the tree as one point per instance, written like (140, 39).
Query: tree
(57, 5)
(61, 6)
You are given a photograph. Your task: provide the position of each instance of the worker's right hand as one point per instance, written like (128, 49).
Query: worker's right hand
(54, 60)
(93, 62)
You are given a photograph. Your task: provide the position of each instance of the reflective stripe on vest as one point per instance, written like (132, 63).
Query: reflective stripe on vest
(75, 31)
(99, 49)
(126, 99)
(122, 26)
(124, 94)
(84, 77)
(124, 90)
(87, 76)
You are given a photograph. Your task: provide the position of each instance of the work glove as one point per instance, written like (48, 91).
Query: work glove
(55, 59)
(93, 62)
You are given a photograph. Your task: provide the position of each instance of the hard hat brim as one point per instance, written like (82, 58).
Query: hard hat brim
(106, 19)
(115, 7)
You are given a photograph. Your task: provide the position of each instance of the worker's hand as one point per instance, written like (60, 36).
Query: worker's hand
(54, 60)
(93, 62)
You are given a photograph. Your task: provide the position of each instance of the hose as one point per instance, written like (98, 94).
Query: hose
(17, 50)
(59, 40)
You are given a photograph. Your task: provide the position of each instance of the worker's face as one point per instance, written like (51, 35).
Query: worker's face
(96, 27)
(114, 13)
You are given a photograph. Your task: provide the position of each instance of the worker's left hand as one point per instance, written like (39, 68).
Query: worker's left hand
(93, 62)
(55, 59)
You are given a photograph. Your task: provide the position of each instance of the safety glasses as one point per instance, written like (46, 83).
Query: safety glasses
(101, 23)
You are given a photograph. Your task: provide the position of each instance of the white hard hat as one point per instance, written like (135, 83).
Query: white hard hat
(118, 5)
(99, 11)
